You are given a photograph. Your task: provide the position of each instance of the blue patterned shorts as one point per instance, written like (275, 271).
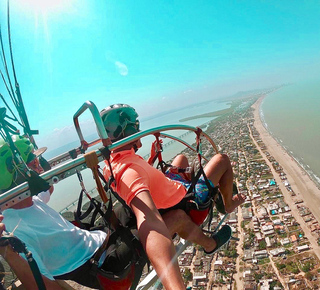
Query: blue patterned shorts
(201, 189)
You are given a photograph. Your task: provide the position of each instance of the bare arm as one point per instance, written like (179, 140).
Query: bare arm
(156, 240)
(22, 270)
(21, 267)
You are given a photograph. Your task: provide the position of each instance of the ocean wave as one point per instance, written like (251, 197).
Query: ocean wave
(305, 167)
(299, 160)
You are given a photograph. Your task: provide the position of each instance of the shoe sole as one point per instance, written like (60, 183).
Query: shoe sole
(226, 230)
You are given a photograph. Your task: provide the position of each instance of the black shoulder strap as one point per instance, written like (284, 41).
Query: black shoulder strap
(79, 216)
(141, 256)
(107, 187)
(20, 247)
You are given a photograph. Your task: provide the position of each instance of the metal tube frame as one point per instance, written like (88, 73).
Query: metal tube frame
(69, 168)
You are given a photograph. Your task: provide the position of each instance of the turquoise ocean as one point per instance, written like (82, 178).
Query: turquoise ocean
(67, 191)
(292, 116)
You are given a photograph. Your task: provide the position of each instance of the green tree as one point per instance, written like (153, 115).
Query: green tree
(187, 275)
(292, 269)
(262, 245)
(258, 277)
(280, 266)
(306, 267)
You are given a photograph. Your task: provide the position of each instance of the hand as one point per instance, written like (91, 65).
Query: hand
(155, 148)
(2, 225)
(3, 249)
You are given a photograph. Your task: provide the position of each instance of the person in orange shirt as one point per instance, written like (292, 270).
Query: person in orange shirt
(148, 191)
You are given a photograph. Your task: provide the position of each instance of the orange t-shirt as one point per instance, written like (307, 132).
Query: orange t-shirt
(134, 175)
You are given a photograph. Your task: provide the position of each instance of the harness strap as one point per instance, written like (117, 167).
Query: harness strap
(108, 187)
(108, 217)
(79, 216)
(194, 179)
(20, 247)
(159, 155)
(140, 263)
(95, 259)
(141, 256)
(92, 162)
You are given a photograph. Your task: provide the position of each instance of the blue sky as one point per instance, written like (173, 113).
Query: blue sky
(154, 54)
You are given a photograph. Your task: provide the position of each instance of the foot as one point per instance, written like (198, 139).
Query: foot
(220, 238)
(237, 200)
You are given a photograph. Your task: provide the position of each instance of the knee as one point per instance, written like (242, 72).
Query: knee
(222, 158)
(177, 215)
(176, 220)
(181, 161)
(181, 157)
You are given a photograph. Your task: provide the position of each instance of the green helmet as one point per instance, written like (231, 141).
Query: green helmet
(25, 147)
(6, 165)
(120, 121)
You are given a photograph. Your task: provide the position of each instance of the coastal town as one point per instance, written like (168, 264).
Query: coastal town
(277, 233)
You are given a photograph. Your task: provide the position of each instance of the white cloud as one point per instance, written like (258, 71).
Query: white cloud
(121, 68)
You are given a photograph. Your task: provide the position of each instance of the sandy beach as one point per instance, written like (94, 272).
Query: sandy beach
(299, 180)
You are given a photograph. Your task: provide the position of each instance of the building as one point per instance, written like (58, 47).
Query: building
(261, 254)
(277, 252)
(303, 248)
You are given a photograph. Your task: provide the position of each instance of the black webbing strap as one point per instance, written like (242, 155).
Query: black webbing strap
(161, 163)
(110, 219)
(158, 153)
(140, 263)
(141, 258)
(20, 247)
(107, 187)
(35, 270)
(213, 190)
(79, 216)
(95, 259)
(107, 216)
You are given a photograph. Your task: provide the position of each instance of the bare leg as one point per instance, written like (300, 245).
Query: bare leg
(156, 240)
(182, 162)
(177, 221)
(219, 171)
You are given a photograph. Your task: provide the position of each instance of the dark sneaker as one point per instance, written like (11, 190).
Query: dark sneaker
(218, 201)
(221, 237)
(235, 189)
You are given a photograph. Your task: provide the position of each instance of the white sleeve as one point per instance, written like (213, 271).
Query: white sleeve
(44, 196)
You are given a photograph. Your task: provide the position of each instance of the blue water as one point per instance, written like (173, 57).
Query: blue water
(292, 116)
(67, 191)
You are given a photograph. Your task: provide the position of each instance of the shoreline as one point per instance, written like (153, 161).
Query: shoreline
(313, 176)
(300, 181)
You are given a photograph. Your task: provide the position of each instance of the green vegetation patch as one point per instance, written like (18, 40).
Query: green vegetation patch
(264, 261)
(208, 115)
